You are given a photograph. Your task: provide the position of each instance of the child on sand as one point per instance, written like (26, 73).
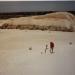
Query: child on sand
(46, 48)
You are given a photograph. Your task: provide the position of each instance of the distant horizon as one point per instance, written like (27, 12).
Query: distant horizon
(35, 6)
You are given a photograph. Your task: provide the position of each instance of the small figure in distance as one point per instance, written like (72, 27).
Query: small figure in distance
(70, 43)
(51, 47)
(46, 48)
(41, 53)
(30, 48)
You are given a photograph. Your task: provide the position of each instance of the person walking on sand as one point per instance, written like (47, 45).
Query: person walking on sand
(51, 47)
(46, 48)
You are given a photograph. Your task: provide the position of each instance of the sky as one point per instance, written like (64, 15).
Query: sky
(30, 6)
(37, 0)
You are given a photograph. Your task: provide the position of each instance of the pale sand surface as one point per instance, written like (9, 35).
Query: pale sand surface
(16, 59)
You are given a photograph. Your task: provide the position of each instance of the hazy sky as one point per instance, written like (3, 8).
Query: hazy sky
(37, 0)
(24, 6)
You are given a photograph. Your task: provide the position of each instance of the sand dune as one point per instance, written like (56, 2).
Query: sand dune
(58, 21)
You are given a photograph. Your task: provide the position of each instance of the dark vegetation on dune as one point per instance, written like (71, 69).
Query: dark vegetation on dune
(22, 14)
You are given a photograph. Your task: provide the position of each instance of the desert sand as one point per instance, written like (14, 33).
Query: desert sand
(17, 59)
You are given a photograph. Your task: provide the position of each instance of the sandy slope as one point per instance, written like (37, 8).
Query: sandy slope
(16, 59)
(56, 19)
